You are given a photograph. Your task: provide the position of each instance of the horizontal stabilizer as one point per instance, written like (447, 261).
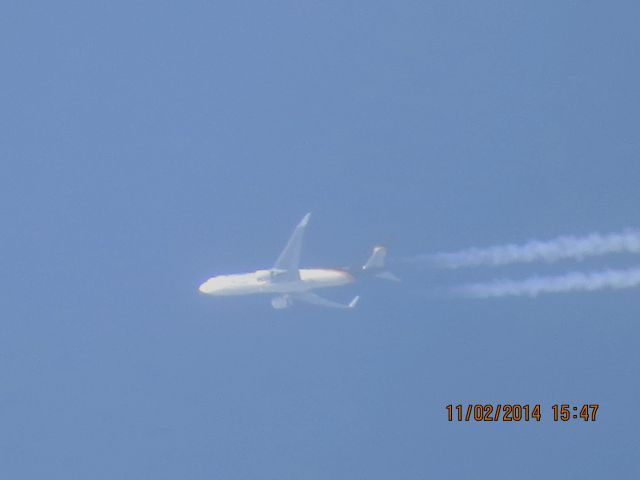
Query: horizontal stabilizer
(387, 276)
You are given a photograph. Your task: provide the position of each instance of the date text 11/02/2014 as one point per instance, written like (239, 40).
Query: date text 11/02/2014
(520, 412)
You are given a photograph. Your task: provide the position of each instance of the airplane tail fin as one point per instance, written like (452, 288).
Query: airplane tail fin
(375, 264)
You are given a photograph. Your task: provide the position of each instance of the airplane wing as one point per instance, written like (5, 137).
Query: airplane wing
(323, 302)
(288, 262)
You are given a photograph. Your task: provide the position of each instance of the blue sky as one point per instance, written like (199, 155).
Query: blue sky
(148, 145)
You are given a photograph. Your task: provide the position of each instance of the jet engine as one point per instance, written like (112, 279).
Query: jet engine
(285, 301)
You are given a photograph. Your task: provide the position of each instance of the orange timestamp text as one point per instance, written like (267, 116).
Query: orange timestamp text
(517, 412)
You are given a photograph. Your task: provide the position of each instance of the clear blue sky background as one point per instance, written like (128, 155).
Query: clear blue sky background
(147, 145)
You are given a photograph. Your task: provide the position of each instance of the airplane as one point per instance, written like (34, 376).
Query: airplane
(290, 283)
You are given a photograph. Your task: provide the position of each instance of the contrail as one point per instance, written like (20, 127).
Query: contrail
(570, 282)
(568, 247)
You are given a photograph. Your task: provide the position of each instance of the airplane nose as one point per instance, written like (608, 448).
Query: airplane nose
(203, 288)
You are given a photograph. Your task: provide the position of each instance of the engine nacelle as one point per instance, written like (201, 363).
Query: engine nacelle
(285, 301)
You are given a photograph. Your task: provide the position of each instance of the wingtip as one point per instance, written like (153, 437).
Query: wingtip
(354, 302)
(305, 220)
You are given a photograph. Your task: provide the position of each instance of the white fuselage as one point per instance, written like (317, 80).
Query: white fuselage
(266, 281)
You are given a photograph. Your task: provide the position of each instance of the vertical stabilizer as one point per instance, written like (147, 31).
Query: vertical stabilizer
(375, 264)
(376, 260)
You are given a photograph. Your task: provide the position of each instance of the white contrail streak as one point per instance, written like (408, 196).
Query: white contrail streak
(568, 247)
(570, 282)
